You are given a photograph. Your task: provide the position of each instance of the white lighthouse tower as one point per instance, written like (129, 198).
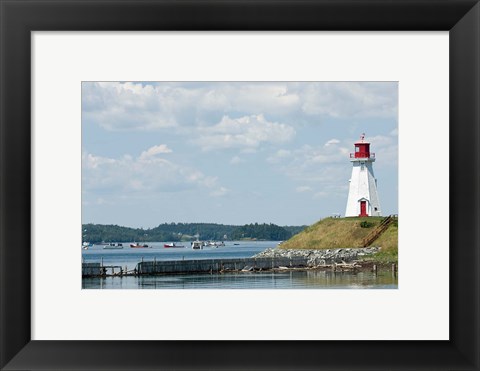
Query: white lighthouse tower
(362, 196)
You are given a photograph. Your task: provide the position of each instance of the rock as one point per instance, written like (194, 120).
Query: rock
(317, 257)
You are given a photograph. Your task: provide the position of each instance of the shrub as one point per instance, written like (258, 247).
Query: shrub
(366, 224)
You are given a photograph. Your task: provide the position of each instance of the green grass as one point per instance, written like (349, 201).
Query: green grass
(333, 233)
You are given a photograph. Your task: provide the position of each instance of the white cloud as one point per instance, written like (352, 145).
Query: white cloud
(155, 150)
(92, 162)
(246, 132)
(236, 160)
(120, 106)
(332, 142)
(127, 106)
(261, 97)
(350, 99)
(142, 176)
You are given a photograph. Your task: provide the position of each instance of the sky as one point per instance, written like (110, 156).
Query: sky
(231, 152)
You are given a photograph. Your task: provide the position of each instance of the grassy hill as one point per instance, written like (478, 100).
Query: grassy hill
(334, 233)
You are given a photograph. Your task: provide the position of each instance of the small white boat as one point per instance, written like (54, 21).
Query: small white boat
(216, 244)
(197, 245)
(138, 246)
(172, 245)
(86, 245)
(113, 246)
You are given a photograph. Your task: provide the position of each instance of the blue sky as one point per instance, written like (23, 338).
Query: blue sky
(231, 152)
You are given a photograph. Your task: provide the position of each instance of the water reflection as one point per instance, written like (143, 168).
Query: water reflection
(263, 280)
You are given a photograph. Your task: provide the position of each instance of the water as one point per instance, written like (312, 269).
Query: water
(265, 280)
(128, 257)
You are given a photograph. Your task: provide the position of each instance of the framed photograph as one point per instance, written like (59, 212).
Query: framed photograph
(191, 146)
(240, 163)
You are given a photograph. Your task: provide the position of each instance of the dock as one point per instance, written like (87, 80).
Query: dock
(162, 267)
(156, 267)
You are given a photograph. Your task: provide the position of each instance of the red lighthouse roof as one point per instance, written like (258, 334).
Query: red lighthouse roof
(362, 139)
(362, 149)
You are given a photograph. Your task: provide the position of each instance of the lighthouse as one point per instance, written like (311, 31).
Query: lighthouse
(362, 195)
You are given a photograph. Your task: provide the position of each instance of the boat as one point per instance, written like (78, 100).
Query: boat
(86, 245)
(216, 244)
(113, 246)
(197, 245)
(172, 245)
(138, 246)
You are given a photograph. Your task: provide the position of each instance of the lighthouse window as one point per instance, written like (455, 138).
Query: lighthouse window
(357, 149)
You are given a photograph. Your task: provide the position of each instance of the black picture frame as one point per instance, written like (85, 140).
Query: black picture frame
(18, 18)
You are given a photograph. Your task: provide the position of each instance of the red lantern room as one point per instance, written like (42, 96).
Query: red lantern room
(362, 149)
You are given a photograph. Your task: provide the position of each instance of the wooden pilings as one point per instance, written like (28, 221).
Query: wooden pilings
(154, 266)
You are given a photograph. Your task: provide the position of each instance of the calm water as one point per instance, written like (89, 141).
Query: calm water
(130, 257)
(266, 280)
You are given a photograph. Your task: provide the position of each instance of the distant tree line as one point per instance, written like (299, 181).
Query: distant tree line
(261, 232)
(205, 231)
(95, 233)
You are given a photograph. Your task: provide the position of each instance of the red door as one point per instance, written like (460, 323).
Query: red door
(363, 208)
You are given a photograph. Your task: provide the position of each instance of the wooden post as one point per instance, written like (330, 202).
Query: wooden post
(375, 269)
(394, 268)
(334, 267)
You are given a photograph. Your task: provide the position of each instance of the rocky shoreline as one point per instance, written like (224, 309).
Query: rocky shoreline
(317, 258)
